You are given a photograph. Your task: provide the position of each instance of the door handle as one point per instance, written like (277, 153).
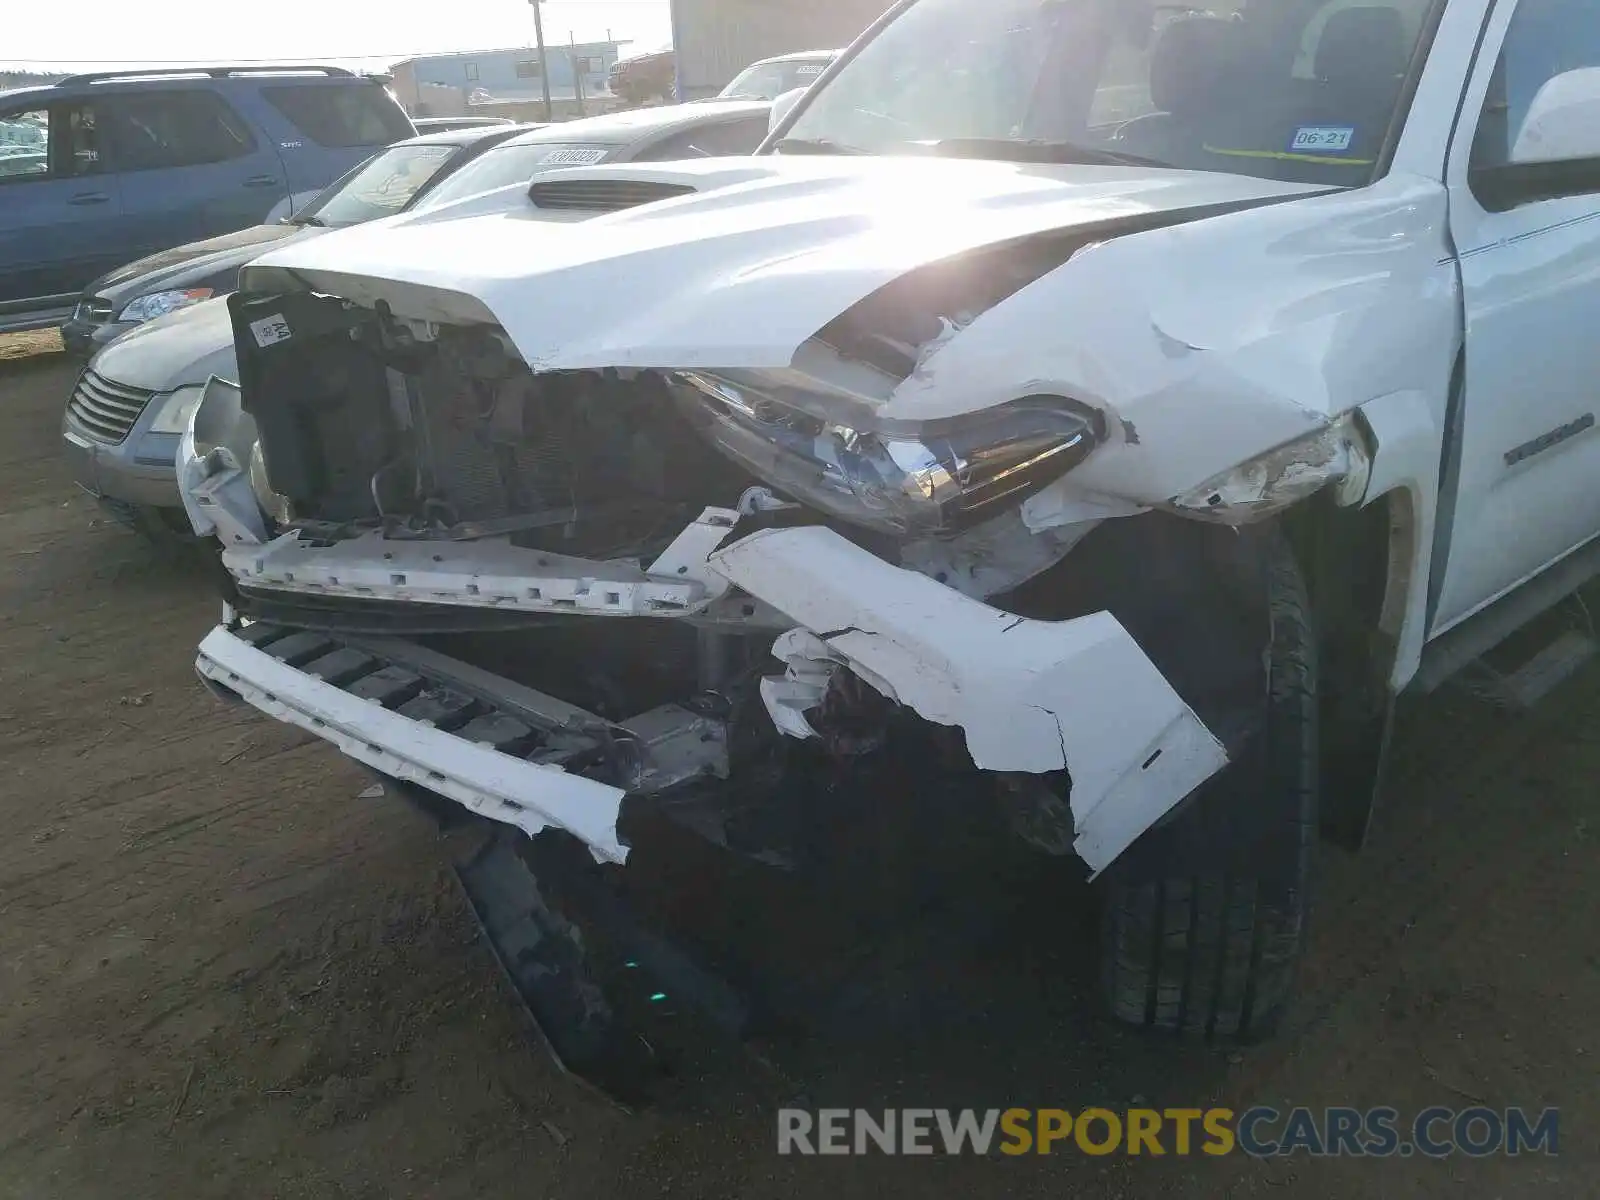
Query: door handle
(261, 181)
(90, 198)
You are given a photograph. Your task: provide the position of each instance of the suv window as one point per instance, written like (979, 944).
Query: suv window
(24, 145)
(709, 141)
(61, 142)
(156, 130)
(341, 116)
(1547, 38)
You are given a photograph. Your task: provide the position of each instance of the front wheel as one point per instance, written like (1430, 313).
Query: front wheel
(1204, 917)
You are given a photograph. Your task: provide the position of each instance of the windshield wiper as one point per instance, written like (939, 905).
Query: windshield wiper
(311, 220)
(814, 146)
(1036, 150)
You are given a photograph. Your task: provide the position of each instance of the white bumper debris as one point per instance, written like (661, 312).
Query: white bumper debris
(528, 795)
(217, 499)
(1031, 696)
(491, 573)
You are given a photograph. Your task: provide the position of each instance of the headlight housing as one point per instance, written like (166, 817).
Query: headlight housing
(176, 408)
(938, 477)
(159, 304)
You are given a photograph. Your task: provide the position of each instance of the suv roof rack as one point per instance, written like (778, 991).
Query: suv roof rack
(218, 72)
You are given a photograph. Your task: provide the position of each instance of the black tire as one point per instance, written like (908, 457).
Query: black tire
(1204, 917)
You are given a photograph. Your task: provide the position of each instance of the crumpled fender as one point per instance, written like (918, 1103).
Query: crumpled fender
(1030, 696)
(213, 465)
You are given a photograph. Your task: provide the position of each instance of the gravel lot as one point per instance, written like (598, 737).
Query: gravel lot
(226, 973)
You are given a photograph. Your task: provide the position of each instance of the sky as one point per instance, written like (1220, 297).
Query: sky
(368, 33)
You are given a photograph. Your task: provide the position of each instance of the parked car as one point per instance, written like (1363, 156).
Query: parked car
(19, 161)
(447, 124)
(169, 332)
(645, 78)
(381, 186)
(119, 422)
(673, 131)
(772, 77)
(132, 162)
(960, 466)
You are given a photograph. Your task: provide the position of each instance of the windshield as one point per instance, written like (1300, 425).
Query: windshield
(506, 165)
(768, 81)
(1299, 90)
(381, 188)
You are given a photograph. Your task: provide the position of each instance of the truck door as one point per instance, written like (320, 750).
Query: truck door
(1524, 176)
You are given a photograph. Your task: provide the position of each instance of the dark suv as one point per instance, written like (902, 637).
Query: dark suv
(104, 168)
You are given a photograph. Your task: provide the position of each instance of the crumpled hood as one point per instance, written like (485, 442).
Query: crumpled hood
(185, 347)
(740, 274)
(189, 264)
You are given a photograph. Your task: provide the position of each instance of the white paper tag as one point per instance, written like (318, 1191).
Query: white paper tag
(1322, 139)
(574, 156)
(269, 331)
(808, 69)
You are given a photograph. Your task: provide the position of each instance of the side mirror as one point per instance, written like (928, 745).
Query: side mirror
(783, 106)
(1563, 122)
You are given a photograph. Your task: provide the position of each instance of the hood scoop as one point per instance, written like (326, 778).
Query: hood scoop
(603, 195)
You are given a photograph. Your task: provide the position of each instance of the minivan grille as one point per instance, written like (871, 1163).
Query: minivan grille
(603, 195)
(103, 409)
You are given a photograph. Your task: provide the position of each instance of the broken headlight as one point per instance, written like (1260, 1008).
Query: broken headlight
(934, 477)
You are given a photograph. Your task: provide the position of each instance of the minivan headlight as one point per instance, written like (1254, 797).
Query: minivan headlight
(159, 304)
(941, 477)
(176, 408)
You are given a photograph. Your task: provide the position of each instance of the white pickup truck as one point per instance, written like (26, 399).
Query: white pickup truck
(1100, 410)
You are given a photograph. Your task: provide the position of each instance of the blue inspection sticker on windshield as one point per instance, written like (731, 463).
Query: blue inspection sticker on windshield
(1322, 139)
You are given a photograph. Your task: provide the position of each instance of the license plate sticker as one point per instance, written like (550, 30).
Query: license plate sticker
(269, 331)
(575, 156)
(1322, 139)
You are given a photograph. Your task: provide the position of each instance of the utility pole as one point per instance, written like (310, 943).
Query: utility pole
(677, 54)
(577, 75)
(544, 60)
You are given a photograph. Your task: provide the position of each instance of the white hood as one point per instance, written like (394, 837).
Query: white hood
(739, 275)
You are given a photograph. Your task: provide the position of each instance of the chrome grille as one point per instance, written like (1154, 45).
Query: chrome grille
(603, 195)
(103, 409)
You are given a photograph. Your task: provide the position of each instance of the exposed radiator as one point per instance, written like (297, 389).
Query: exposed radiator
(485, 466)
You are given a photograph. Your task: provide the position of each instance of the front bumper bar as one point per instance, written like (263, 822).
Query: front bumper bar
(501, 750)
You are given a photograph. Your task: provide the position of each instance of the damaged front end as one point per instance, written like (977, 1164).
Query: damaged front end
(606, 609)
(391, 478)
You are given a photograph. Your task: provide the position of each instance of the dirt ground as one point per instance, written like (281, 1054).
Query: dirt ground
(226, 972)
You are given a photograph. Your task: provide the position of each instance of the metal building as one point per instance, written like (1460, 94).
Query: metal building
(454, 84)
(716, 39)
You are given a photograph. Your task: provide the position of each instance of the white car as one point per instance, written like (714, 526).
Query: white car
(772, 77)
(1116, 472)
